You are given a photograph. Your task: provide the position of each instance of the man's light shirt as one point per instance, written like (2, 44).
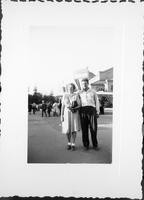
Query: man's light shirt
(89, 98)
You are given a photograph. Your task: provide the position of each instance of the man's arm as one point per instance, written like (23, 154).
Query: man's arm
(97, 103)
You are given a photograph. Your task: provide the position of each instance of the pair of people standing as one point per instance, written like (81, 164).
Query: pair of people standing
(80, 111)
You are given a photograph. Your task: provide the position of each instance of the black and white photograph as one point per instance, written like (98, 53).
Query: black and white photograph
(71, 100)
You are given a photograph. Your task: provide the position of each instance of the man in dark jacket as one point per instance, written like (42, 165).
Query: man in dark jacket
(44, 107)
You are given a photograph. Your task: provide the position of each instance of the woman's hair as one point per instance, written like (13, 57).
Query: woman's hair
(73, 86)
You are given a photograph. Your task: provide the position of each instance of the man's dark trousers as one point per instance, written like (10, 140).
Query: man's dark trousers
(88, 117)
(44, 112)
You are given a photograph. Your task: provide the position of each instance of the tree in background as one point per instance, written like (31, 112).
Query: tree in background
(37, 97)
(106, 100)
(30, 99)
(49, 98)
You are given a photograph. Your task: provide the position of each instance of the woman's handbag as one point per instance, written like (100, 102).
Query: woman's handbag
(74, 106)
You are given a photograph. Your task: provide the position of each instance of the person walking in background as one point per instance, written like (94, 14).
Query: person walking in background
(49, 108)
(29, 108)
(59, 106)
(34, 108)
(102, 103)
(89, 113)
(70, 116)
(55, 109)
(44, 107)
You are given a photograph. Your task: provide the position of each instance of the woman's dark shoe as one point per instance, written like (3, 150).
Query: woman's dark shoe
(68, 147)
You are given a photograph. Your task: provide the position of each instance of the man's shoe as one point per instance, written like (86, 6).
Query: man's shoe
(68, 147)
(96, 148)
(86, 148)
(73, 148)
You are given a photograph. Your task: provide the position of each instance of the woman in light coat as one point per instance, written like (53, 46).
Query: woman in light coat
(70, 116)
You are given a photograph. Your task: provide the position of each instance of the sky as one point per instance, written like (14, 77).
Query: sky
(57, 52)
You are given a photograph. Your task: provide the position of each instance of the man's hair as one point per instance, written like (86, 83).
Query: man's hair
(85, 79)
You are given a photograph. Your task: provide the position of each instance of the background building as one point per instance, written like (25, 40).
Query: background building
(103, 81)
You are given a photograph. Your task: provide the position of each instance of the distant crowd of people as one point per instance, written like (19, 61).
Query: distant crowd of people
(47, 108)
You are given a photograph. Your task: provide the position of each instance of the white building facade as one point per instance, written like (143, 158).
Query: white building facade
(103, 81)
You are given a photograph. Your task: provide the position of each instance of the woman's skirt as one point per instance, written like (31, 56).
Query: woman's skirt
(71, 122)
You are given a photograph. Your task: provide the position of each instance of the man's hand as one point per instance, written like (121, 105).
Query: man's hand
(97, 115)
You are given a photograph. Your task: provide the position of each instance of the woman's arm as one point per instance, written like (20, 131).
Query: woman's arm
(62, 110)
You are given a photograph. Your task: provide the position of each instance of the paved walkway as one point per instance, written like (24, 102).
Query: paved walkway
(46, 143)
